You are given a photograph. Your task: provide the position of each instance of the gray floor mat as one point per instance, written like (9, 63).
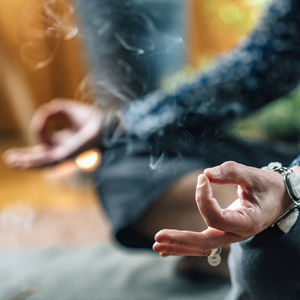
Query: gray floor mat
(97, 272)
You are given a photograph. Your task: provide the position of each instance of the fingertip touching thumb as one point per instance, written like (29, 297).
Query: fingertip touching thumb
(228, 172)
(214, 172)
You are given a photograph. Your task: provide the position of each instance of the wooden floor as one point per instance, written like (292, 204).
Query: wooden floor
(47, 207)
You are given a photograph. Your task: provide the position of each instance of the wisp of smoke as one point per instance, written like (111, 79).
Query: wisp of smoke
(42, 29)
(130, 48)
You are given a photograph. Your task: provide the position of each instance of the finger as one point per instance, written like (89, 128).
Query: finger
(167, 254)
(13, 155)
(236, 221)
(56, 109)
(208, 206)
(170, 249)
(233, 173)
(196, 241)
(29, 157)
(182, 253)
(46, 122)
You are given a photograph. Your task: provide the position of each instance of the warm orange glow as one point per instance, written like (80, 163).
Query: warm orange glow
(88, 160)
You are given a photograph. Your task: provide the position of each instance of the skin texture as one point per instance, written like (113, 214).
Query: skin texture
(261, 200)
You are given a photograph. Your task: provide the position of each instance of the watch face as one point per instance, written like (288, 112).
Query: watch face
(293, 184)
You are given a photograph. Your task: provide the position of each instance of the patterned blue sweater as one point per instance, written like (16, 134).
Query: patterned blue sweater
(263, 68)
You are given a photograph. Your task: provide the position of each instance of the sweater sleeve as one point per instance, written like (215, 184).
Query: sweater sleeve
(296, 161)
(263, 68)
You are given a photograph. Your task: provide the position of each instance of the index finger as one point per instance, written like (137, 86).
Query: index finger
(236, 221)
(193, 243)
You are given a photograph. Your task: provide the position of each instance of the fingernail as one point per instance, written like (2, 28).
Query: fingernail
(214, 172)
(201, 180)
(154, 246)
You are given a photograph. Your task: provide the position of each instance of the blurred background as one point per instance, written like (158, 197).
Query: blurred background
(43, 57)
(57, 206)
(39, 207)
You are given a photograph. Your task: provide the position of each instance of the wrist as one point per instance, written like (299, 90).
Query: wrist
(289, 212)
(290, 195)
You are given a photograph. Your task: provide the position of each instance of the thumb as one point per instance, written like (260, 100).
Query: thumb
(231, 172)
(46, 123)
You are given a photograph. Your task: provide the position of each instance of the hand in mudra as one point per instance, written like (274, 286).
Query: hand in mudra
(62, 128)
(262, 198)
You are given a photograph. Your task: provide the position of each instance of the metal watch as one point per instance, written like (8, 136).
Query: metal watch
(291, 180)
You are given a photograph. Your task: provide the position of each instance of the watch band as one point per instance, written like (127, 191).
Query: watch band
(291, 180)
(292, 184)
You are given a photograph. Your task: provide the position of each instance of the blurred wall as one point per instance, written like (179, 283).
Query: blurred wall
(216, 26)
(41, 56)
(39, 60)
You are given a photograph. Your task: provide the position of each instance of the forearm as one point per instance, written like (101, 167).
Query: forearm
(265, 67)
